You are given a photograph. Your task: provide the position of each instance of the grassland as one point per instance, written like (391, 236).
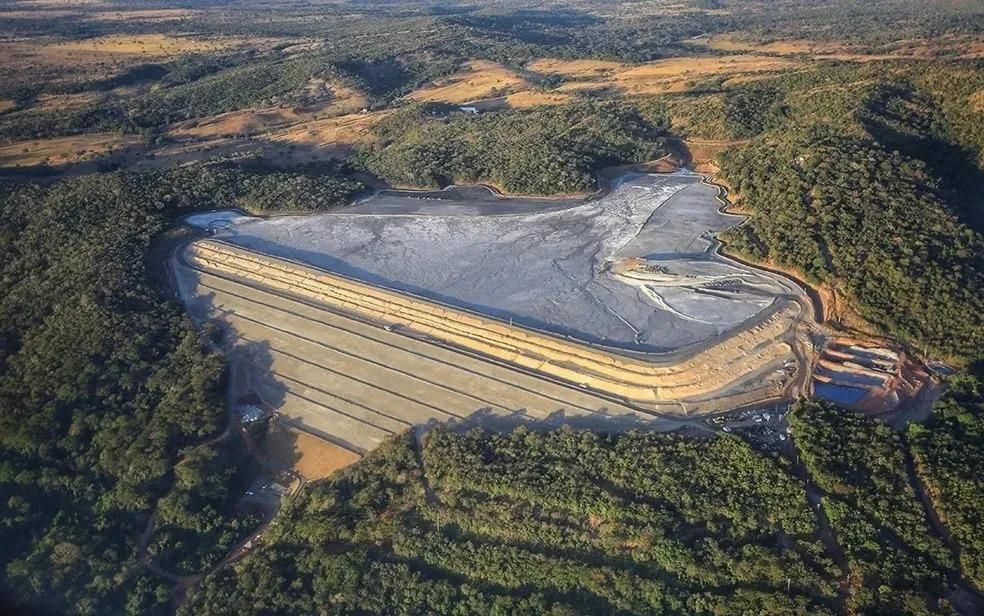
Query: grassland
(482, 80)
(329, 136)
(114, 50)
(955, 46)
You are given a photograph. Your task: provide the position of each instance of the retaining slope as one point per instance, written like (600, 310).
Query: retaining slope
(724, 366)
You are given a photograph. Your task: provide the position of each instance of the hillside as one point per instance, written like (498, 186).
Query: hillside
(575, 522)
(850, 133)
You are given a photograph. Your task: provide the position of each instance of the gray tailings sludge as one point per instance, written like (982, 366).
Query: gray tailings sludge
(546, 264)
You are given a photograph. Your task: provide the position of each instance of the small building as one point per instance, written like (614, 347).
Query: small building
(248, 413)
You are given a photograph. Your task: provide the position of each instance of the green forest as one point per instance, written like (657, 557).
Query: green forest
(567, 522)
(105, 385)
(544, 151)
(871, 187)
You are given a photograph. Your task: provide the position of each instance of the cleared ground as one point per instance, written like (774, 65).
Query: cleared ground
(478, 79)
(309, 456)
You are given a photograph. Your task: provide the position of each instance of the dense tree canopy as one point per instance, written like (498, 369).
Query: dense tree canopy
(870, 188)
(103, 381)
(546, 150)
(565, 521)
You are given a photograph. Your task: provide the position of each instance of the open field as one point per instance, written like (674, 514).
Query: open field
(150, 44)
(63, 150)
(78, 60)
(528, 98)
(329, 134)
(479, 79)
(142, 15)
(675, 74)
(482, 80)
(576, 69)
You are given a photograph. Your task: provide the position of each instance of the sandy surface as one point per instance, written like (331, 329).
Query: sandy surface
(547, 270)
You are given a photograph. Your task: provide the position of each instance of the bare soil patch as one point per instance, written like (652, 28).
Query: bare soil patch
(309, 456)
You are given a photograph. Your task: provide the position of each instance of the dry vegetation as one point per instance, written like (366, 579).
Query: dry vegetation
(113, 49)
(63, 150)
(479, 79)
(152, 44)
(575, 69)
(976, 101)
(63, 102)
(531, 99)
(677, 74)
(331, 134)
(484, 80)
(143, 15)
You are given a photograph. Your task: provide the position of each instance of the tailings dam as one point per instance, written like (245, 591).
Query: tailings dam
(462, 305)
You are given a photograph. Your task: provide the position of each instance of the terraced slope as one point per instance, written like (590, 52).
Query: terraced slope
(355, 383)
(357, 362)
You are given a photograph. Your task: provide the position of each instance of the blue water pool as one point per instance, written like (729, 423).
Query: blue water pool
(839, 394)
